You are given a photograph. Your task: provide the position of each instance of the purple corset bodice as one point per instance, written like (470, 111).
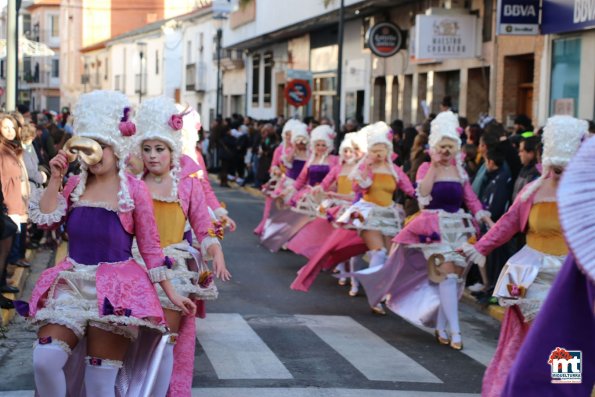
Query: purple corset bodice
(316, 173)
(296, 168)
(447, 196)
(97, 235)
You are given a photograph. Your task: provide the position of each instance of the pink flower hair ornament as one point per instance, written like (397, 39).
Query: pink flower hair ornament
(126, 127)
(176, 121)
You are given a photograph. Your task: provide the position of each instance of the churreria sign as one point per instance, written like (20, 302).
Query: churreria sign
(443, 37)
(385, 39)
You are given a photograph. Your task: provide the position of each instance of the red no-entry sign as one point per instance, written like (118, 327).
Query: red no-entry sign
(298, 92)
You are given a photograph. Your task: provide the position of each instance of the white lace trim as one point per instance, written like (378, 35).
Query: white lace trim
(42, 218)
(56, 342)
(166, 199)
(205, 244)
(159, 273)
(364, 183)
(473, 255)
(423, 201)
(96, 204)
(479, 215)
(106, 362)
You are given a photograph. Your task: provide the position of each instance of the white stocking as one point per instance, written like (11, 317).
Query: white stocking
(378, 258)
(100, 377)
(352, 269)
(450, 305)
(441, 323)
(165, 370)
(48, 369)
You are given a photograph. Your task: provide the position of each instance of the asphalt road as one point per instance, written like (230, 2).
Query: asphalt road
(260, 338)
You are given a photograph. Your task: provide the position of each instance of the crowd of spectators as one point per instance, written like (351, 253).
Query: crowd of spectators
(28, 141)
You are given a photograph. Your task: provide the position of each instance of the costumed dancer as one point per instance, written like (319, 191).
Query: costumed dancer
(309, 196)
(527, 277)
(285, 223)
(375, 215)
(178, 197)
(98, 291)
(425, 248)
(342, 244)
(566, 321)
(339, 194)
(277, 170)
(190, 137)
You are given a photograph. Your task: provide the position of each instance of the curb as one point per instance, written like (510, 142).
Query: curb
(494, 311)
(18, 279)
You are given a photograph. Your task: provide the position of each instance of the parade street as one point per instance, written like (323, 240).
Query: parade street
(260, 338)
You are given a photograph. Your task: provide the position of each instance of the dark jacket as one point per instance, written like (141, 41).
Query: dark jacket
(495, 194)
(527, 174)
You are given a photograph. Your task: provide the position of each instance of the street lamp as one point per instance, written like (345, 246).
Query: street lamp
(219, 18)
(142, 48)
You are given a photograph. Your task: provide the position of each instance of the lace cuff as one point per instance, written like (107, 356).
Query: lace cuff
(205, 244)
(423, 201)
(42, 218)
(363, 182)
(161, 273)
(219, 212)
(473, 254)
(479, 215)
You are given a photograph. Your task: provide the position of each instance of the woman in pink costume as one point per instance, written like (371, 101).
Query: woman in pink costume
(307, 241)
(527, 277)
(189, 148)
(98, 291)
(427, 244)
(178, 197)
(342, 244)
(277, 171)
(285, 223)
(375, 215)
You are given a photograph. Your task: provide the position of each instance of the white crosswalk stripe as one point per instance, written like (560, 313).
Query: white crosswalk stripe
(366, 351)
(287, 392)
(236, 351)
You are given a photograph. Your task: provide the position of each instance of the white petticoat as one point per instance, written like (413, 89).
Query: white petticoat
(455, 229)
(184, 280)
(364, 215)
(532, 270)
(72, 302)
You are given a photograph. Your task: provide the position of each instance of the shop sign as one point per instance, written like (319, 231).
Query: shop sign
(445, 36)
(518, 17)
(298, 92)
(559, 16)
(385, 39)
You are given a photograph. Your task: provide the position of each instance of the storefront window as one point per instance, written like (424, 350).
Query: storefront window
(565, 80)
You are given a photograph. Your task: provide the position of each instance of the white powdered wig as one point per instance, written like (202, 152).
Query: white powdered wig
(299, 130)
(347, 143)
(159, 119)
(562, 136)
(190, 130)
(321, 133)
(380, 132)
(444, 126)
(360, 140)
(97, 116)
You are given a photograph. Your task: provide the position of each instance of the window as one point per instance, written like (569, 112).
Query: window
(565, 83)
(2, 69)
(55, 68)
(54, 26)
(157, 62)
(268, 77)
(488, 16)
(201, 42)
(189, 52)
(105, 70)
(255, 78)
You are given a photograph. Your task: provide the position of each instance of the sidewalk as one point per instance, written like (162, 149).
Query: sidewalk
(24, 278)
(494, 311)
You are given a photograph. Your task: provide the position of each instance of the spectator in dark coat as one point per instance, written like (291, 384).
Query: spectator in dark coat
(528, 157)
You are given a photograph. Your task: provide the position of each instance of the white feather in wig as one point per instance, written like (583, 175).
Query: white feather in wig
(190, 130)
(97, 116)
(562, 137)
